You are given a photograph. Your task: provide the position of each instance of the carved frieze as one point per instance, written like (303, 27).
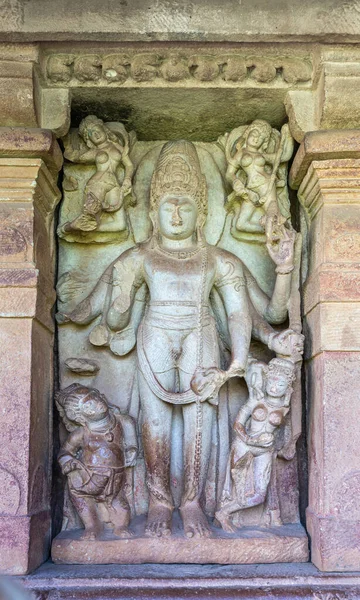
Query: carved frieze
(178, 67)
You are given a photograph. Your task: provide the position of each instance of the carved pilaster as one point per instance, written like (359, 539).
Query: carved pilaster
(327, 172)
(28, 196)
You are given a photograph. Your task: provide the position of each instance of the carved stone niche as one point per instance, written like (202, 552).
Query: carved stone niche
(180, 349)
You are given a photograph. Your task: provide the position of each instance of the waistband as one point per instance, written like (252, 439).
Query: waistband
(156, 318)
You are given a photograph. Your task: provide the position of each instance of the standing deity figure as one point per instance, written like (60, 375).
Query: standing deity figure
(257, 171)
(94, 458)
(254, 445)
(177, 342)
(106, 145)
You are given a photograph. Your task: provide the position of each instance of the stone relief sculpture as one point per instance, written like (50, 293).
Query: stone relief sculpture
(94, 458)
(176, 318)
(257, 158)
(107, 146)
(254, 445)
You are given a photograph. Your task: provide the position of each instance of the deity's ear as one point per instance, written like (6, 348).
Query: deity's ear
(71, 414)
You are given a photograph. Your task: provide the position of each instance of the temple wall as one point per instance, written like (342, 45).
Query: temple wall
(172, 70)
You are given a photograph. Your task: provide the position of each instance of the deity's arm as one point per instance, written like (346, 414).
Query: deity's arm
(79, 155)
(287, 147)
(231, 285)
(92, 306)
(233, 166)
(242, 417)
(274, 309)
(71, 446)
(128, 277)
(128, 165)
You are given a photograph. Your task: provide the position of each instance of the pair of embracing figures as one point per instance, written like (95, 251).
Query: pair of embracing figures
(172, 296)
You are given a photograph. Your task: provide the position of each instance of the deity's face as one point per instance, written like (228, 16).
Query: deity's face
(96, 133)
(276, 385)
(94, 406)
(255, 138)
(177, 217)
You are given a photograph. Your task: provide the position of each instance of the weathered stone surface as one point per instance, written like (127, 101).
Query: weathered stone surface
(248, 582)
(329, 193)
(197, 21)
(21, 142)
(28, 196)
(288, 543)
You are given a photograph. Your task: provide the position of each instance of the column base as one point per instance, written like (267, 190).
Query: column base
(296, 581)
(335, 543)
(24, 542)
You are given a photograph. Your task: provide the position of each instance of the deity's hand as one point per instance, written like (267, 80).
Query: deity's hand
(206, 383)
(62, 318)
(130, 457)
(287, 343)
(126, 186)
(254, 378)
(70, 465)
(280, 243)
(240, 189)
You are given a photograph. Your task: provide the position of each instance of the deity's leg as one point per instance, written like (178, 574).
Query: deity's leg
(156, 439)
(86, 506)
(119, 514)
(197, 446)
(262, 472)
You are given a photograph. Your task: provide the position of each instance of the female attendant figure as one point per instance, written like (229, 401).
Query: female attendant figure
(253, 448)
(256, 158)
(104, 192)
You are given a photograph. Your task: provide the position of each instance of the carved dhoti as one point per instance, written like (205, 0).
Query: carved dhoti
(102, 484)
(167, 353)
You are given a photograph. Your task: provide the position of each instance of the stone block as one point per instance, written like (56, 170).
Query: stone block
(334, 475)
(332, 326)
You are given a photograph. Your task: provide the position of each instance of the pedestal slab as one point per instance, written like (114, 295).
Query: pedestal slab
(288, 543)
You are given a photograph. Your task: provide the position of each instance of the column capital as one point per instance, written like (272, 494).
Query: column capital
(31, 142)
(336, 144)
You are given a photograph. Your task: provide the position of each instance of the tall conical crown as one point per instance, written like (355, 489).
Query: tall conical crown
(178, 172)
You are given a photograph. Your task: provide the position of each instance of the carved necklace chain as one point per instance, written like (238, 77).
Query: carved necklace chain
(179, 254)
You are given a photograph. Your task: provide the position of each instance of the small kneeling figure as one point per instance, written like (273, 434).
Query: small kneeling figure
(253, 448)
(94, 458)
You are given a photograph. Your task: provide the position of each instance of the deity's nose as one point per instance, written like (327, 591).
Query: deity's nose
(176, 219)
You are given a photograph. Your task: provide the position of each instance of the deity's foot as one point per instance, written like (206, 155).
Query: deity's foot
(92, 533)
(224, 521)
(81, 223)
(195, 522)
(123, 532)
(158, 523)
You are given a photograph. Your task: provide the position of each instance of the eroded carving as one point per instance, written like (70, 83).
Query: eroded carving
(176, 67)
(255, 444)
(186, 324)
(257, 171)
(106, 145)
(94, 458)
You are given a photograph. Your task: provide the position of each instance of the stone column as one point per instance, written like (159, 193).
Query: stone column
(326, 170)
(29, 163)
